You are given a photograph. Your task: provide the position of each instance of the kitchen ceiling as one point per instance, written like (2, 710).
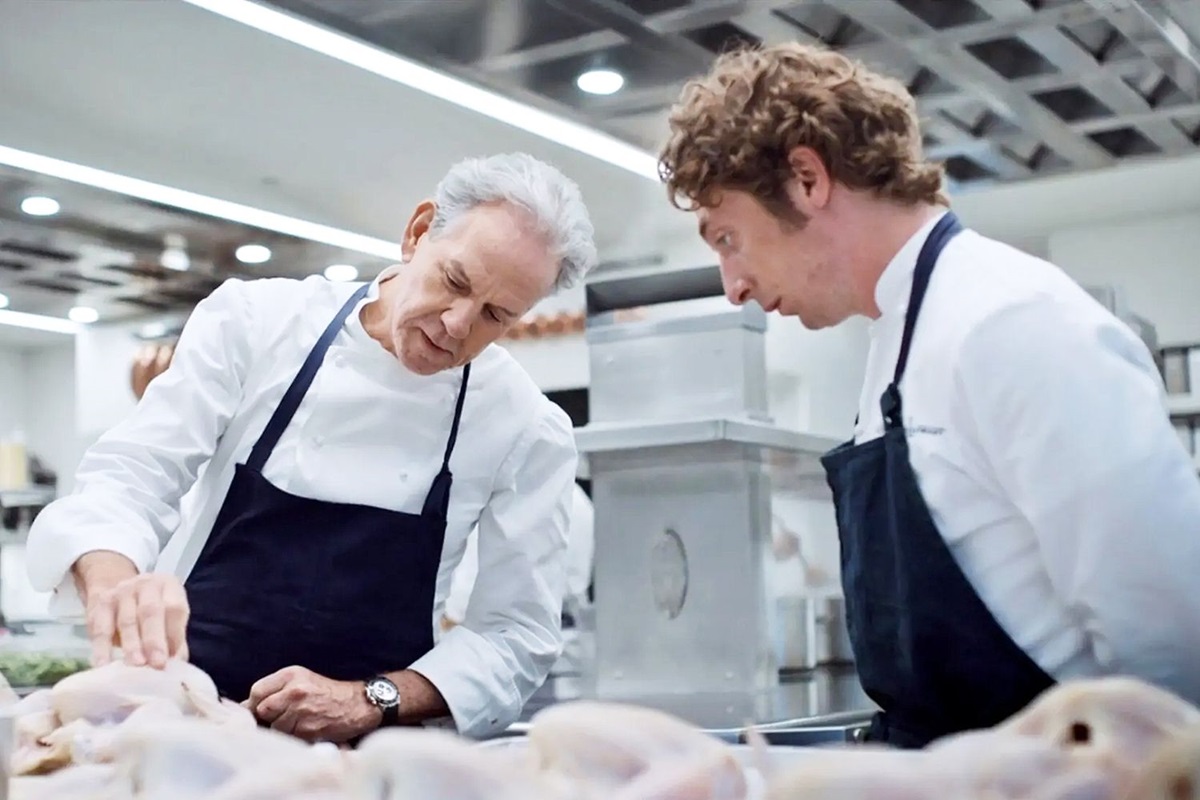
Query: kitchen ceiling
(1008, 89)
(110, 252)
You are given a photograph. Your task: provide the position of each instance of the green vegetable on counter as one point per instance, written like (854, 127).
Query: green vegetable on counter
(39, 669)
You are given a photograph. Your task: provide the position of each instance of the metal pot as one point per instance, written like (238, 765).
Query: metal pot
(810, 631)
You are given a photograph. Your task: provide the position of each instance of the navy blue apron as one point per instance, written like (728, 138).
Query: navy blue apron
(928, 651)
(345, 590)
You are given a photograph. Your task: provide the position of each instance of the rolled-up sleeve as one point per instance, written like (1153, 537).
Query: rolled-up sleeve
(129, 483)
(1069, 410)
(488, 667)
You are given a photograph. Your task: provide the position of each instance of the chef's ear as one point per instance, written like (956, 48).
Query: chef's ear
(811, 184)
(418, 226)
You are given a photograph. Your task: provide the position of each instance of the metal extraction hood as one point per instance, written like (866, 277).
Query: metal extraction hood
(1008, 89)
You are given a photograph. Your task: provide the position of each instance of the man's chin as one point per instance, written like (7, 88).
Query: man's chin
(423, 365)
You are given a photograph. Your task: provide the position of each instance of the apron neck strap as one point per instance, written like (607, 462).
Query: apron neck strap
(295, 393)
(458, 407)
(945, 230)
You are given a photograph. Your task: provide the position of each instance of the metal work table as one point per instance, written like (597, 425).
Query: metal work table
(809, 707)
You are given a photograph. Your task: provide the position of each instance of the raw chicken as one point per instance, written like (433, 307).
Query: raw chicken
(192, 758)
(863, 773)
(983, 765)
(713, 776)
(111, 693)
(1110, 724)
(607, 745)
(418, 764)
(321, 775)
(90, 782)
(1172, 772)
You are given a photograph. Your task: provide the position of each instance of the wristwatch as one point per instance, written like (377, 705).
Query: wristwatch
(384, 695)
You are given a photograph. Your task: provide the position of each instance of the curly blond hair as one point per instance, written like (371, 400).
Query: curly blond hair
(734, 129)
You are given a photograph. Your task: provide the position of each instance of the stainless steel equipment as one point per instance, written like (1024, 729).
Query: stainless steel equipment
(7, 745)
(684, 463)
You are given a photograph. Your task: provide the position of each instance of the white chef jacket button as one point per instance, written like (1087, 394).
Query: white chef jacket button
(318, 440)
(403, 476)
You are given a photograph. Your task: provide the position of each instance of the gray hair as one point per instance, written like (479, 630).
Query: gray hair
(553, 199)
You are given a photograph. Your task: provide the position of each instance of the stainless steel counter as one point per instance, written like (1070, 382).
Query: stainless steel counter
(824, 697)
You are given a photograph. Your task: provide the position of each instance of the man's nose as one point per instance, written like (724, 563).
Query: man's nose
(737, 289)
(458, 319)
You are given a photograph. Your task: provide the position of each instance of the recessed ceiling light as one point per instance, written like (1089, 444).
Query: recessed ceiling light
(341, 272)
(174, 255)
(153, 330)
(3, 300)
(40, 206)
(600, 81)
(83, 314)
(253, 254)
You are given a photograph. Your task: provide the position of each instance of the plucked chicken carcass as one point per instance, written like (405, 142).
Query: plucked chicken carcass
(633, 753)
(74, 721)
(192, 758)
(134, 733)
(415, 764)
(111, 693)
(1172, 772)
(1112, 724)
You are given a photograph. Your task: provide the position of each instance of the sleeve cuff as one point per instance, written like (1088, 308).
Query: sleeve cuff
(462, 668)
(57, 541)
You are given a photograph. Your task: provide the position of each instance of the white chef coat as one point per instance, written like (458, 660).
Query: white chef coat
(369, 432)
(580, 548)
(1039, 437)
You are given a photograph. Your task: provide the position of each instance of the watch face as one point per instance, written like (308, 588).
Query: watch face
(384, 691)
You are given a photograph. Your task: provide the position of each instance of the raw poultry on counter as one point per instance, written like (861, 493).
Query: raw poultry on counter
(119, 732)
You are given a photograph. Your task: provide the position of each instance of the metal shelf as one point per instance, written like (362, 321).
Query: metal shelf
(24, 498)
(1183, 405)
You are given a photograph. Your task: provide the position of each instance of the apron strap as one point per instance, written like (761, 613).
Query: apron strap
(304, 378)
(437, 502)
(942, 232)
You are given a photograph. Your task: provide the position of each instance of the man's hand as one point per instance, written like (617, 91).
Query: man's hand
(300, 702)
(145, 615)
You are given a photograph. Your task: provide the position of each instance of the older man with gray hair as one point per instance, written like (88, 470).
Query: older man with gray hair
(351, 438)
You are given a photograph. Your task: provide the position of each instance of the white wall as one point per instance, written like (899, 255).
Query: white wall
(12, 391)
(50, 416)
(37, 396)
(1156, 261)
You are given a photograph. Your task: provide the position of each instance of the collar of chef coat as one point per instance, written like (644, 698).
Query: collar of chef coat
(354, 327)
(894, 286)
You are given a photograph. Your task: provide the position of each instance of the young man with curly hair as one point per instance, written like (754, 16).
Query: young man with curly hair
(1014, 507)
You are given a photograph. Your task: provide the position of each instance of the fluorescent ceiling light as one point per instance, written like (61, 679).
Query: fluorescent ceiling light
(40, 206)
(388, 65)
(600, 81)
(201, 204)
(341, 272)
(38, 322)
(83, 315)
(253, 254)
